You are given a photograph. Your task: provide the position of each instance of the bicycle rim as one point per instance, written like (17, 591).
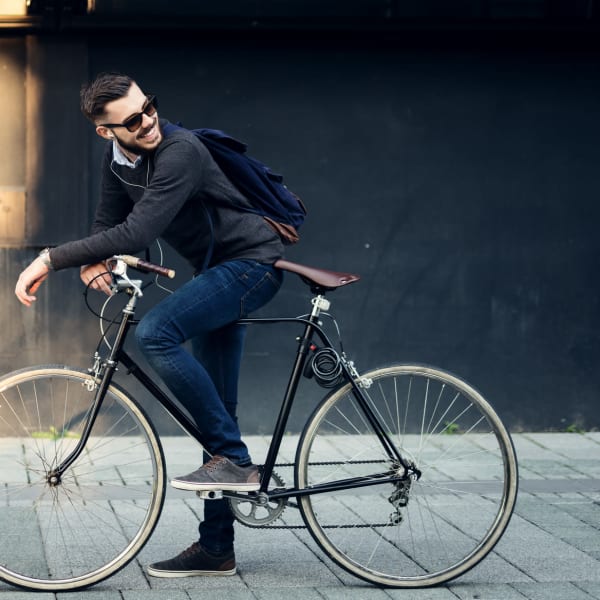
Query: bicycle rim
(421, 531)
(74, 533)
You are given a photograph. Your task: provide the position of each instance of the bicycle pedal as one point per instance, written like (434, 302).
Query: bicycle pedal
(210, 494)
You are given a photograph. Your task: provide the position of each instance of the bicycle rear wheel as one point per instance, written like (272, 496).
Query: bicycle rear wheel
(413, 532)
(75, 532)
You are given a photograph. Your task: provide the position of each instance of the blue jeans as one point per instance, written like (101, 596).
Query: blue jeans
(205, 311)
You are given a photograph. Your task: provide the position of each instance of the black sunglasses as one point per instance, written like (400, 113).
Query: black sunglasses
(135, 122)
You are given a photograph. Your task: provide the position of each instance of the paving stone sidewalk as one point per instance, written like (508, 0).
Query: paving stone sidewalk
(551, 550)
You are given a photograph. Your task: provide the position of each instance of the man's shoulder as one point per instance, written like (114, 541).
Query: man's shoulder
(181, 141)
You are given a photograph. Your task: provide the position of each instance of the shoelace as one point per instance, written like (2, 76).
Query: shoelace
(193, 549)
(214, 463)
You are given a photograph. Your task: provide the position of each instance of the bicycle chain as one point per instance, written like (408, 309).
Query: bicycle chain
(295, 504)
(365, 525)
(337, 462)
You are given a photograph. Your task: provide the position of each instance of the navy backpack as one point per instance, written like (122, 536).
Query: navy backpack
(265, 190)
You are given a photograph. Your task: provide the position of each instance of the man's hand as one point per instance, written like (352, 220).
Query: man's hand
(98, 276)
(30, 280)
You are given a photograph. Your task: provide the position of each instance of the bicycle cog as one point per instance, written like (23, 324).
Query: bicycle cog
(259, 511)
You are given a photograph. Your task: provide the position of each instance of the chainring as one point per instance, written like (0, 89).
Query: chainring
(259, 511)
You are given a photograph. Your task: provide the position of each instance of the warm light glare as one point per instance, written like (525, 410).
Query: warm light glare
(13, 7)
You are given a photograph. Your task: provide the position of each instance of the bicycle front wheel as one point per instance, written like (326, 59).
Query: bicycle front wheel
(415, 531)
(73, 532)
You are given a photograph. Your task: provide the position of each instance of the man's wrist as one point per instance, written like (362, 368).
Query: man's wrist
(44, 256)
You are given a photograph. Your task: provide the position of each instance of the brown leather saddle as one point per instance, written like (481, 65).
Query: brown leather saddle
(319, 280)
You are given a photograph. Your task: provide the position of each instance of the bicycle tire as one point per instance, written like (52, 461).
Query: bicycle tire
(434, 528)
(74, 533)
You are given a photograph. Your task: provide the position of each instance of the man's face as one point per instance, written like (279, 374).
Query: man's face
(146, 138)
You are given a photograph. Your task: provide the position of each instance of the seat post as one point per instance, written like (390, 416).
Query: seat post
(319, 303)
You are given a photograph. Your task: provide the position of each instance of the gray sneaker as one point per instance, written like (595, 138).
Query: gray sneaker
(194, 561)
(219, 473)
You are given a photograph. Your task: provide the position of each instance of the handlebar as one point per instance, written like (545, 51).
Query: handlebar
(143, 265)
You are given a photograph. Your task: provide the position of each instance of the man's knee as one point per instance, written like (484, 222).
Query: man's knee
(143, 334)
(149, 335)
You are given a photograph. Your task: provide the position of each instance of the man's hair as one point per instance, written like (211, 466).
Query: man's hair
(105, 88)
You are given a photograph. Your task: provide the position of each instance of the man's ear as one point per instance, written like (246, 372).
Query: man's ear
(105, 132)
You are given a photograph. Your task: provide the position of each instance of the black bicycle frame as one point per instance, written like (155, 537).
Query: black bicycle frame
(311, 327)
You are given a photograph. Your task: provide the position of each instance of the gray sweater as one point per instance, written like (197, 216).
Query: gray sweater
(163, 197)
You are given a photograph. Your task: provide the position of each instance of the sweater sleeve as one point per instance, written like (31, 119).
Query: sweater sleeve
(177, 177)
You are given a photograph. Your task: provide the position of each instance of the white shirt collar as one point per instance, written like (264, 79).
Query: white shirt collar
(121, 159)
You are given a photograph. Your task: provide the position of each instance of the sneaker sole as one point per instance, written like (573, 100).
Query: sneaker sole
(209, 487)
(173, 574)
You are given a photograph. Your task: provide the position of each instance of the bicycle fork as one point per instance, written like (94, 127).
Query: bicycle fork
(105, 371)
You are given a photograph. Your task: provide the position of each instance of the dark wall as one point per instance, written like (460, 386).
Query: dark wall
(460, 183)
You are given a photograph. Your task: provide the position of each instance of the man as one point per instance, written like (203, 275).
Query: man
(170, 187)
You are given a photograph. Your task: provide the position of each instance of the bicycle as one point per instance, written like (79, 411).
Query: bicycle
(404, 475)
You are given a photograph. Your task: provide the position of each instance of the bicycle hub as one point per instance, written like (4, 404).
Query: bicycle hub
(54, 479)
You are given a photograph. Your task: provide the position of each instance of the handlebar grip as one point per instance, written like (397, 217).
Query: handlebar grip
(138, 263)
